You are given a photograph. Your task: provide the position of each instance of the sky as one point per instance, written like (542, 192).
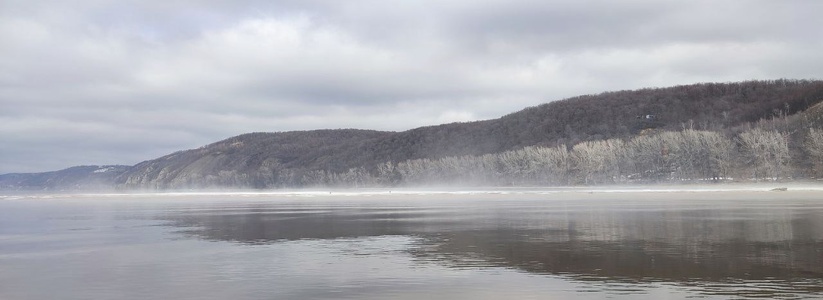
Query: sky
(94, 82)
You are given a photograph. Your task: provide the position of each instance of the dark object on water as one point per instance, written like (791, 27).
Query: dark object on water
(780, 189)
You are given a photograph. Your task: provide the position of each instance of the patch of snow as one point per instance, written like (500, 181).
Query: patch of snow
(103, 170)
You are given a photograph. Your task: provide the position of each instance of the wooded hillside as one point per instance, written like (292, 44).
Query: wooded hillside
(569, 141)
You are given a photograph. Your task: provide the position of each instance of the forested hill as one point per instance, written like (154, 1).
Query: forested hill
(74, 178)
(293, 159)
(711, 106)
(255, 159)
(708, 106)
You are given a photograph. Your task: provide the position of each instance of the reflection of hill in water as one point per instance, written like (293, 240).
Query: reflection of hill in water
(271, 225)
(630, 259)
(634, 243)
(774, 270)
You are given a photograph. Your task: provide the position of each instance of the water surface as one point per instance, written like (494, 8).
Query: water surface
(556, 245)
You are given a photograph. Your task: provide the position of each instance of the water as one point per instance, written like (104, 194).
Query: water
(541, 245)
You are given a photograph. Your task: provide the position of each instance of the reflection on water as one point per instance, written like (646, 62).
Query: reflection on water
(764, 249)
(632, 246)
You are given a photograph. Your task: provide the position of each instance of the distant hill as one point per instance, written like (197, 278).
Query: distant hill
(281, 159)
(252, 160)
(74, 178)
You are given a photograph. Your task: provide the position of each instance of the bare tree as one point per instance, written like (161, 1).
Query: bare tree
(698, 155)
(814, 147)
(766, 153)
(598, 161)
(648, 157)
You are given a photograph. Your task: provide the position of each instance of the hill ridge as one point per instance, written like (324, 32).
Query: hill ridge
(281, 159)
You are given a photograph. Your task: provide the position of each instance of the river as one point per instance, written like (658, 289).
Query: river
(515, 244)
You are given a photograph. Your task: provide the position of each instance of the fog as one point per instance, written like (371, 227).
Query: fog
(764, 190)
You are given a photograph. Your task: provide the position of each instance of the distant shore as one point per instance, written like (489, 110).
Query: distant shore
(686, 191)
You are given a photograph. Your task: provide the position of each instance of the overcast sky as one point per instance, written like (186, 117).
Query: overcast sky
(119, 82)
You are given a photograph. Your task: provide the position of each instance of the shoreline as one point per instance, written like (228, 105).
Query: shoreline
(775, 189)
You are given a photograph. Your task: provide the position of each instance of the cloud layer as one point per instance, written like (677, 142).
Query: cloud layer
(117, 82)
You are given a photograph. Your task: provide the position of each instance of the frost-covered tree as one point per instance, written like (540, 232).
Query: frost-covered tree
(814, 147)
(598, 161)
(554, 165)
(648, 157)
(765, 153)
(696, 155)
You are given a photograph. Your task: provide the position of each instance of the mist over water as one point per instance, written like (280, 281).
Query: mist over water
(485, 244)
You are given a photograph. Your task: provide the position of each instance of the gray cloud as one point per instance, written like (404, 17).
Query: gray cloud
(104, 82)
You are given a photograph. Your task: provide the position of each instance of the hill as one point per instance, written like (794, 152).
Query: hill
(74, 178)
(709, 106)
(293, 159)
(254, 160)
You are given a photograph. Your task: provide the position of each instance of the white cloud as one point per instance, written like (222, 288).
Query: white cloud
(119, 82)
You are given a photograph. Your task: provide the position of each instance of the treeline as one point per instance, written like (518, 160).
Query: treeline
(74, 178)
(681, 156)
(707, 106)
(695, 133)
(682, 133)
